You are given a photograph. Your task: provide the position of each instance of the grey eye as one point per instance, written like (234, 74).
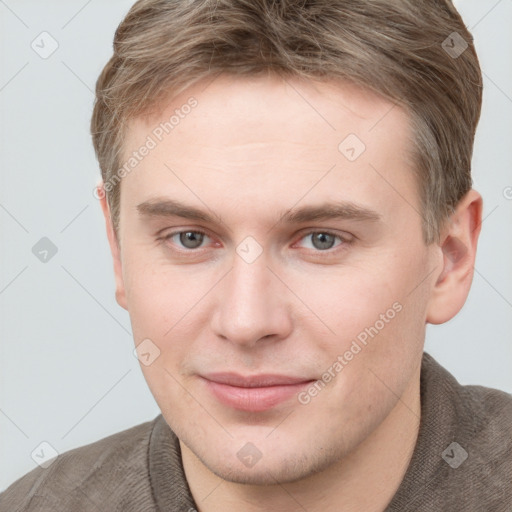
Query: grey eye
(191, 239)
(322, 241)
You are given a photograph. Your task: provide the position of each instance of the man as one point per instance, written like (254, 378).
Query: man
(287, 195)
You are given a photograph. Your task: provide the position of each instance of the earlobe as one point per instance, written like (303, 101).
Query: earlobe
(458, 250)
(114, 247)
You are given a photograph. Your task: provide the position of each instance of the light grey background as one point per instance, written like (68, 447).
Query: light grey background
(67, 372)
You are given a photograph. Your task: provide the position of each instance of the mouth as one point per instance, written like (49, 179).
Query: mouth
(255, 393)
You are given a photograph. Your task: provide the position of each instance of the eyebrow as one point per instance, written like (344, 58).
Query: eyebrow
(343, 210)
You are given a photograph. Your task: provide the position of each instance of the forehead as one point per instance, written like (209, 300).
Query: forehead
(254, 102)
(270, 140)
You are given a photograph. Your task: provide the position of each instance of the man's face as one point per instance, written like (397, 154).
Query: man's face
(289, 299)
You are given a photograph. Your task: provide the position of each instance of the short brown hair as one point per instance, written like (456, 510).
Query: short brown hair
(404, 50)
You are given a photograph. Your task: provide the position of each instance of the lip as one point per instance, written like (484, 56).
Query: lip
(254, 393)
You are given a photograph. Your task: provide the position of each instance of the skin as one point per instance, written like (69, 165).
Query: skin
(252, 150)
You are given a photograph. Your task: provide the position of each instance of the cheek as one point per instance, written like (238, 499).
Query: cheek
(166, 307)
(149, 297)
(348, 300)
(375, 315)
(337, 303)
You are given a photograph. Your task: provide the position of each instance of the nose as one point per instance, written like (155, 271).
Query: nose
(252, 305)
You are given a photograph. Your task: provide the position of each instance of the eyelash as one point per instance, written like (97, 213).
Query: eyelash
(326, 253)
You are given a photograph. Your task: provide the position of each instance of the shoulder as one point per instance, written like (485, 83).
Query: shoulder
(485, 433)
(486, 418)
(111, 470)
(482, 416)
(480, 413)
(463, 454)
(474, 425)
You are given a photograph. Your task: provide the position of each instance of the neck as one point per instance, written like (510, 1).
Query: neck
(366, 479)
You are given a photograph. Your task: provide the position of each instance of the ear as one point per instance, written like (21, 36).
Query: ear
(459, 239)
(115, 248)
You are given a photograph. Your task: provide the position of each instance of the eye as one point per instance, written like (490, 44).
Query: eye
(323, 241)
(191, 239)
(320, 241)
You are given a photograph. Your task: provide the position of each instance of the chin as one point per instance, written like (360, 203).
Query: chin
(278, 466)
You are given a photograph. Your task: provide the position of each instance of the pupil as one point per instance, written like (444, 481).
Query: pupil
(324, 239)
(191, 240)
